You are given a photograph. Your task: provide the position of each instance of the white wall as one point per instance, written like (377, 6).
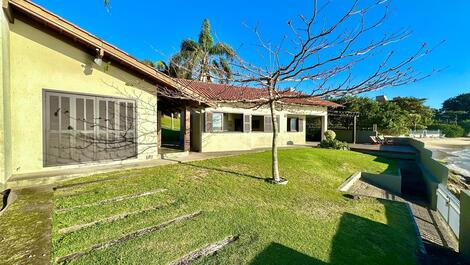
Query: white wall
(232, 141)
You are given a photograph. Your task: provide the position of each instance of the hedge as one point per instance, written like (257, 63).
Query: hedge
(449, 130)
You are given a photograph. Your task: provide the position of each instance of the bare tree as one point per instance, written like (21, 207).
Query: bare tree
(316, 59)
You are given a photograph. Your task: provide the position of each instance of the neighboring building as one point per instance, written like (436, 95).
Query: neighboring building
(234, 124)
(381, 99)
(71, 100)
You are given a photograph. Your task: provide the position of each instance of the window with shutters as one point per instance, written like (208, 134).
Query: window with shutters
(292, 124)
(217, 122)
(82, 128)
(257, 123)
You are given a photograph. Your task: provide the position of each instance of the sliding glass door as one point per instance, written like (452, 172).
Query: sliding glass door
(80, 129)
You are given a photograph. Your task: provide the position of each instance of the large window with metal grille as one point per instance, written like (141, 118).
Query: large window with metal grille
(86, 128)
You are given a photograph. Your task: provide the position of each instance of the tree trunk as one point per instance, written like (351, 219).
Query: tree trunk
(275, 165)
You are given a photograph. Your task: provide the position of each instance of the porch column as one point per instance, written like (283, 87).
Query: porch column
(324, 126)
(159, 131)
(5, 107)
(354, 129)
(185, 129)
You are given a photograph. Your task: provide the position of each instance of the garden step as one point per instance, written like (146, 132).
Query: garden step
(127, 237)
(205, 251)
(111, 200)
(174, 155)
(111, 218)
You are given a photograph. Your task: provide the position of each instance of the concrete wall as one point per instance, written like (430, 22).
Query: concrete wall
(5, 133)
(464, 231)
(363, 137)
(386, 181)
(433, 171)
(231, 141)
(40, 61)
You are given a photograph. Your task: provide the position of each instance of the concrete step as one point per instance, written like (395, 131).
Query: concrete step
(175, 155)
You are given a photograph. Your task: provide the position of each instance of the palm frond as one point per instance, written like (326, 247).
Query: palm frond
(222, 49)
(189, 46)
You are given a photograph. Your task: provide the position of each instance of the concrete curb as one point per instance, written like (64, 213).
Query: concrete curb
(347, 184)
(422, 254)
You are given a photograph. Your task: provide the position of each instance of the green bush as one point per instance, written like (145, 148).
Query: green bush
(334, 144)
(449, 130)
(330, 135)
(466, 126)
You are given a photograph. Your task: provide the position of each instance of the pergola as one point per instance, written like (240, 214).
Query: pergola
(346, 114)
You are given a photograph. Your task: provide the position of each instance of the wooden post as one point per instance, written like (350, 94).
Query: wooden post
(159, 131)
(324, 126)
(186, 129)
(355, 130)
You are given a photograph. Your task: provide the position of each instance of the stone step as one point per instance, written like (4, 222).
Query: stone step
(174, 155)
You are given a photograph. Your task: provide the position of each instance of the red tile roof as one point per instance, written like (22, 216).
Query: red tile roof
(231, 93)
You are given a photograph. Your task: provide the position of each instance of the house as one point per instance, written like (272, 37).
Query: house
(235, 122)
(70, 100)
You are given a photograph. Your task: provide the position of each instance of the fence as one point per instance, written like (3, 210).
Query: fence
(449, 208)
(425, 133)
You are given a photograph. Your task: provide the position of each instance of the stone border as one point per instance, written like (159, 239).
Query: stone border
(111, 200)
(8, 197)
(347, 184)
(127, 237)
(208, 250)
(422, 254)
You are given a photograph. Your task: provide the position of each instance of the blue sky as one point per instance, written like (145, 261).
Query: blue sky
(154, 30)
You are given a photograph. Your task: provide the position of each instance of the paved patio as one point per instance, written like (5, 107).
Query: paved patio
(400, 149)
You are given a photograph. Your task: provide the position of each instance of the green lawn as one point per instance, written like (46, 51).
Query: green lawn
(305, 222)
(169, 134)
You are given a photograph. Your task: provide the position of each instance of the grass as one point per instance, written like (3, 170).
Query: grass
(169, 134)
(305, 222)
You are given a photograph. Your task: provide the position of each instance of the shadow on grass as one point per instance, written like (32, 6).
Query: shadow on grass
(238, 174)
(358, 240)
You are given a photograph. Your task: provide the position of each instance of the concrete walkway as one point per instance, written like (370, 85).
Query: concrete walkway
(25, 236)
(55, 176)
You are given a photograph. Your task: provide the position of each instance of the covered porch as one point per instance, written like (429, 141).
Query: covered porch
(175, 140)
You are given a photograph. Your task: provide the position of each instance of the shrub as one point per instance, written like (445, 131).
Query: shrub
(450, 130)
(466, 126)
(330, 135)
(334, 144)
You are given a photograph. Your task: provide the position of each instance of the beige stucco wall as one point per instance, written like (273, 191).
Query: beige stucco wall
(5, 133)
(230, 141)
(40, 61)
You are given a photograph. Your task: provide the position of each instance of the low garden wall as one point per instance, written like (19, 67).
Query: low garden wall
(387, 182)
(434, 172)
(363, 136)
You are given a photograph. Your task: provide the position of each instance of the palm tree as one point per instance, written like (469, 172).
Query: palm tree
(203, 60)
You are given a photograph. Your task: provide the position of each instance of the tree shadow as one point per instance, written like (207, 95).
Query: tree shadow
(238, 174)
(358, 240)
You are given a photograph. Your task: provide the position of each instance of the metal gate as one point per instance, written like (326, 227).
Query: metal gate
(449, 208)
